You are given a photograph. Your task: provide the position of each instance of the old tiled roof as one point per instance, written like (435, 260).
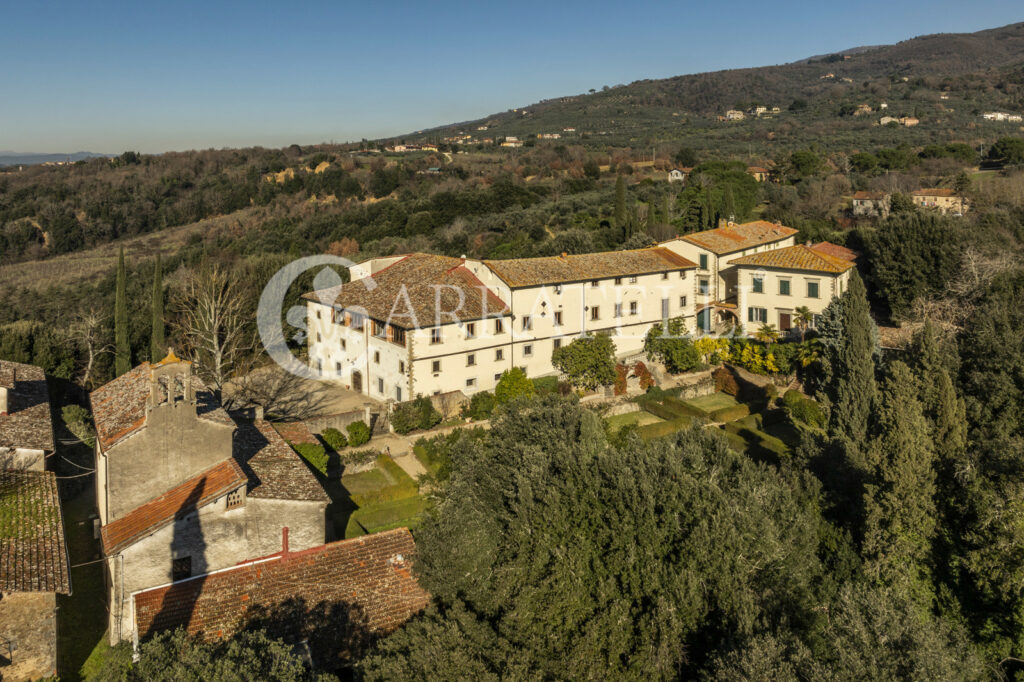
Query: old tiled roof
(119, 406)
(834, 250)
(799, 257)
(295, 432)
(936, 192)
(730, 238)
(33, 557)
(274, 470)
(524, 272)
(190, 495)
(869, 196)
(28, 423)
(369, 578)
(407, 292)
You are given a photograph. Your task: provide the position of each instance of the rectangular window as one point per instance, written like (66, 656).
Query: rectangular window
(703, 261)
(398, 393)
(558, 288)
(401, 366)
(470, 359)
(357, 322)
(435, 335)
(632, 280)
(398, 336)
(783, 287)
(499, 354)
(664, 308)
(376, 357)
(528, 350)
(595, 313)
(682, 274)
(380, 386)
(527, 323)
(318, 337)
(816, 321)
(436, 366)
(337, 368)
(558, 318)
(633, 307)
(470, 330)
(499, 326)
(757, 285)
(682, 301)
(812, 290)
(181, 568)
(497, 377)
(664, 275)
(470, 382)
(235, 499)
(703, 286)
(556, 344)
(343, 344)
(757, 315)
(594, 283)
(618, 310)
(379, 329)
(618, 280)
(318, 314)
(337, 316)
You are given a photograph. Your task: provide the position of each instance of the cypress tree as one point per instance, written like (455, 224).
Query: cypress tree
(122, 351)
(157, 346)
(852, 388)
(728, 204)
(620, 203)
(900, 505)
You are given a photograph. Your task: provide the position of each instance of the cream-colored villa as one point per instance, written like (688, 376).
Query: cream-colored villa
(421, 324)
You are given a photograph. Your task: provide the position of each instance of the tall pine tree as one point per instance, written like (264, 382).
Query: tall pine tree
(852, 388)
(122, 349)
(900, 503)
(157, 345)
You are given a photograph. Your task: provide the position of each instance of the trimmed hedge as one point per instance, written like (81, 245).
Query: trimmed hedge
(334, 438)
(358, 434)
(684, 409)
(803, 409)
(313, 453)
(671, 408)
(665, 428)
(731, 413)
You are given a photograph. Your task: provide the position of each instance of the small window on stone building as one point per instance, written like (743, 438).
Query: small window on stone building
(235, 499)
(181, 568)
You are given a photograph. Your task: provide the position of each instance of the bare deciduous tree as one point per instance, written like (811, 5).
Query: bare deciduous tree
(212, 318)
(89, 333)
(282, 395)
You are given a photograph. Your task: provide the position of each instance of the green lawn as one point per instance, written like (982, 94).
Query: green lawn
(771, 442)
(710, 403)
(385, 516)
(379, 499)
(639, 418)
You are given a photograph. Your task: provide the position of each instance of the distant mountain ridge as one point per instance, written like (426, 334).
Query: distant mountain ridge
(645, 104)
(8, 158)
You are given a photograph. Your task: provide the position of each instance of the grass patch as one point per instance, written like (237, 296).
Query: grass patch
(710, 403)
(639, 418)
(756, 440)
(379, 517)
(664, 428)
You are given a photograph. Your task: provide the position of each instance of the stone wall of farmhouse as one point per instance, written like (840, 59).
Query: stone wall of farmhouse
(28, 620)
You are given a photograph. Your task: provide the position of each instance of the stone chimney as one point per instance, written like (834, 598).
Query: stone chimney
(7, 379)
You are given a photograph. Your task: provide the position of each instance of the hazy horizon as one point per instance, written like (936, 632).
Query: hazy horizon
(191, 76)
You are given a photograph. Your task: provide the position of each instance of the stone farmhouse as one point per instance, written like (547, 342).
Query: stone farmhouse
(872, 204)
(426, 324)
(33, 556)
(350, 591)
(183, 490)
(941, 199)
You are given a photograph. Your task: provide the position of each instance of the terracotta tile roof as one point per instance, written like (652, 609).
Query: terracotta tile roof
(119, 406)
(869, 196)
(274, 469)
(192, 494)
(836, 251)
(525, 272)
(730, 238)
(369, 579)
(757, 169)
(33, 556)
(406, 293)
(28, 423)
(799, 257)
(295, 432)
(936, 192)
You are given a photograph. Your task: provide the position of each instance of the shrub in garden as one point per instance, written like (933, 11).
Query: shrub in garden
(313, 453)
(803, 409)
(415, 414)
(513, 384)
(358, 433)
(334, 438)
(731, 413)
(481, 405)
(358, 457)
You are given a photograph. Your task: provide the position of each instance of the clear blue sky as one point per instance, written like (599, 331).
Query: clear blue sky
(110, 76)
